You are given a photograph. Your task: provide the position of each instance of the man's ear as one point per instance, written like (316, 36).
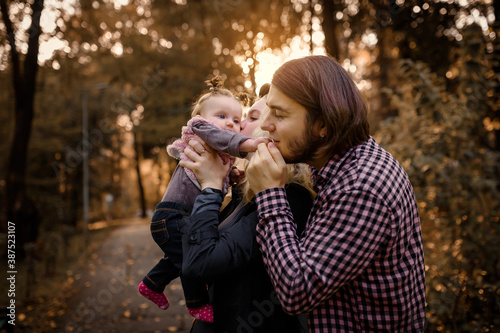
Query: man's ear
(320, 127)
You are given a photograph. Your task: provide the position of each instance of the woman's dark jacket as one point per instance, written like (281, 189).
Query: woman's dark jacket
(242, 294)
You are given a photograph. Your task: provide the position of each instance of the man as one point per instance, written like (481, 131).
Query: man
(358, 266)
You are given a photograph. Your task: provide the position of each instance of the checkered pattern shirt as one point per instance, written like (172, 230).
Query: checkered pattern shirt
(359, 264)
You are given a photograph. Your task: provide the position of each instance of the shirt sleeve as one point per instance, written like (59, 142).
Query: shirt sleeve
(219, 139)
(343, 234)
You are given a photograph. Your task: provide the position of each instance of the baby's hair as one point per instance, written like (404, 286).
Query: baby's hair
(214, 83)
(215, 88)
(243, 98)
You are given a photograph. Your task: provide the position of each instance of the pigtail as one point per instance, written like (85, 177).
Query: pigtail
(215, 88)
(243, 98)
(215, 83)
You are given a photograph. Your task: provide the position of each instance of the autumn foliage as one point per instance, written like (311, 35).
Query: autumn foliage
(457, 187)
(429, 69)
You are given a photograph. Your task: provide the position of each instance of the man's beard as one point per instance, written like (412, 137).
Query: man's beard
(303, 150)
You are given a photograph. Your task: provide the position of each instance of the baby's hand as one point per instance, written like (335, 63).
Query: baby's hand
(236, 175)
(250, 145)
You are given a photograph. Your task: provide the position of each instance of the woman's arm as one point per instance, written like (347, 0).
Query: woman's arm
(206, 252)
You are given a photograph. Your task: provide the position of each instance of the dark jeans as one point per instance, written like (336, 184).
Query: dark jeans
(167, 235)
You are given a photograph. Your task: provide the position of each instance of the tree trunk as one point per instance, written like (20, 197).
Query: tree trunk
(24, 89)
(252, 73)
(329, 25)
(496, 70)
(386, 64)
(138, 156)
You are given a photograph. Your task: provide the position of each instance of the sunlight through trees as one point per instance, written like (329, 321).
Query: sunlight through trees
(131, 68)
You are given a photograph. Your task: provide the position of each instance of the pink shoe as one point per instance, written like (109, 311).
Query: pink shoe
(204, 313)
(159, 299)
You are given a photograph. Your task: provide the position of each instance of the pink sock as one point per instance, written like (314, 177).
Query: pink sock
(205, 313)
(159, 299)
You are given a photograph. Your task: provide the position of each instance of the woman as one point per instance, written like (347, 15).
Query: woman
(222, 248)
(253, 115)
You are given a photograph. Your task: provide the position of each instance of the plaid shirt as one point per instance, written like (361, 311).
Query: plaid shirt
(359, 265)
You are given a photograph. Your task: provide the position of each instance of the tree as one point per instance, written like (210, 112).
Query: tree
(242, 31)
(455, 178)
(24, 72)
(376, 34)
(332, 29)
(433, 72)
(495, 120)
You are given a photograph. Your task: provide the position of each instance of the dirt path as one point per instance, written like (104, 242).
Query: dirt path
(106, 298)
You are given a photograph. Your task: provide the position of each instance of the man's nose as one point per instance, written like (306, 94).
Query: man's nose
(267, 125)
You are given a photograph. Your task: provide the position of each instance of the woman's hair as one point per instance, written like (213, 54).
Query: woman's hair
(323, 87)
(298, 173)
(264, 90)
(215, 88)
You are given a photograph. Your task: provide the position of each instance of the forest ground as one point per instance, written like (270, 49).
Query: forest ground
(97, 292)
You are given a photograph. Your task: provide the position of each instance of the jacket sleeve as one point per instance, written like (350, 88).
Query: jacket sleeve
(300, 201)
(208, 253)
(219, 139)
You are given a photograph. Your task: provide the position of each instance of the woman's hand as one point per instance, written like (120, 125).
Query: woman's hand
(206, 165)
(266, 169)
(236, 175)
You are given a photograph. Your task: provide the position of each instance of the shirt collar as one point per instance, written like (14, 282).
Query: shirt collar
(322, 176)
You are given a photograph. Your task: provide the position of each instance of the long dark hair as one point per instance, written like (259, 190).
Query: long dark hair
(323, 87)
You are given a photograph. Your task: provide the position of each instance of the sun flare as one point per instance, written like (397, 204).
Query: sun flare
(268, 61)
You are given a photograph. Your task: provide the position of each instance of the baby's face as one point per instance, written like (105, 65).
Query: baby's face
(224, 111)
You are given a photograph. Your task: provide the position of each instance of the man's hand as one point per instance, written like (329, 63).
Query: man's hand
(266, 169)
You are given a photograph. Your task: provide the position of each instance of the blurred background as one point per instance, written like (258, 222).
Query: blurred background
(92, 91)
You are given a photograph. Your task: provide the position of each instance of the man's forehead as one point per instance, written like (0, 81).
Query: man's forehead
(278, 100)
